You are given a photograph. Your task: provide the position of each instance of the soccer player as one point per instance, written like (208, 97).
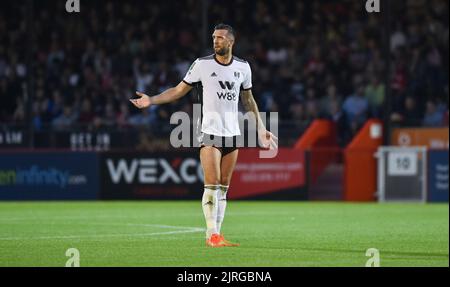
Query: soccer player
(222, 78)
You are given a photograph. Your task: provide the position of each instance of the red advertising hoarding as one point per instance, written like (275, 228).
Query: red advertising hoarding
(255, 176)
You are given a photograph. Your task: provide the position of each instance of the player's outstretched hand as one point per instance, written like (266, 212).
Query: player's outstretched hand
(268, 140)
(142, 102)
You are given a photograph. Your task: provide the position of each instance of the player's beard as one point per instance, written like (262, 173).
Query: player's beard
(222, 51)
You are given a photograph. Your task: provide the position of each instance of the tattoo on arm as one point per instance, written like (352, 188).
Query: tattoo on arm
(250, 105)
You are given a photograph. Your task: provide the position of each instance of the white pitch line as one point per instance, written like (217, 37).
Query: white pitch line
(5, 218)
(159, 225)
(59, 217)
(189, 230)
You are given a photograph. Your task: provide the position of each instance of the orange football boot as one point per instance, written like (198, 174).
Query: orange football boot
(215, 241)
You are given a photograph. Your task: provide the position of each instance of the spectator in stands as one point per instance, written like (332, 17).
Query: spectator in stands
(109, 117)
(19, 113)
(87, 114)
(65, 120)
(374, 93)
(311, 110)
(123, 115)
(144, 118)
(297, 111)
(434, 116)
(55, 105)
(143, 75)
(408, 115)
(327, 102)
(334, 113)
(37, 119)
(356, 107)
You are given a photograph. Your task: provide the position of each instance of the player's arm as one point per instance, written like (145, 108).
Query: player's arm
(249, 103)
(267, 138)
(165, 97)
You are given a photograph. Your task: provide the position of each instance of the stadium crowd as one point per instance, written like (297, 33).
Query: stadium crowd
(310, 59)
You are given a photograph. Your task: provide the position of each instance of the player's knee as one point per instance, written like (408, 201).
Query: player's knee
(225, 180)
(212, 181)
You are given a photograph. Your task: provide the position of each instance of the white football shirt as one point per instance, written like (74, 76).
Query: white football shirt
(220, 88)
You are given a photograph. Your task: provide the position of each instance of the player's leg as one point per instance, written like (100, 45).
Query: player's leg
(210, 158)
(226, 171)
(228, 163)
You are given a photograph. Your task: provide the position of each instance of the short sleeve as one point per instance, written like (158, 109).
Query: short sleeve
(193, 74)
(247, 83)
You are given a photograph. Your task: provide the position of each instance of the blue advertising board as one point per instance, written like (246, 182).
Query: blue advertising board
(48, 175)
(438, 176)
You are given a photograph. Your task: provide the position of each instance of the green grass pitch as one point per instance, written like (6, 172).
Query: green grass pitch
(170, 233)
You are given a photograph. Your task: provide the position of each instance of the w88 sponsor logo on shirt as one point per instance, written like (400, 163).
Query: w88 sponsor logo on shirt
(228, 92)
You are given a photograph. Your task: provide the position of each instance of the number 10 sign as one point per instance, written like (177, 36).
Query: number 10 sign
(402, 163)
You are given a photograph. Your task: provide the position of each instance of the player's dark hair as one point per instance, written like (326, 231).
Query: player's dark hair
(227, 27)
